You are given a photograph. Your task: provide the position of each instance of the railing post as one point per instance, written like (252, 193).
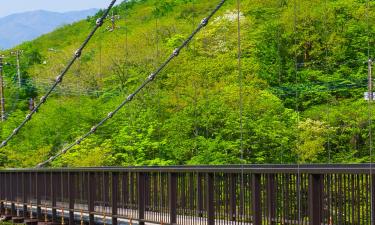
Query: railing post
(210, 199)
(115, 181)
(315, 200)
(24, 195)
(232, 197)
(53, 177)
(200, 194)
(2, 194)
(71, 178)
(12, 194)
(173, 197)
(373, 200)
(271, 207)
(141, 197)
(38, 197)
(91, 194)
(256, 199)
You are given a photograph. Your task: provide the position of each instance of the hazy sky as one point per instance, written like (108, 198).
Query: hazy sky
(8, 7)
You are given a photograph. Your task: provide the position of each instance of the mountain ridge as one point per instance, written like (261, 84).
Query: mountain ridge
(26, 26)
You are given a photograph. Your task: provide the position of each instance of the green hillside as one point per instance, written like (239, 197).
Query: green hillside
(304, 71)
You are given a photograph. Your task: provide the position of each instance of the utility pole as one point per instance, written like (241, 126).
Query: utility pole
(370, 94)
(113, 22)
(2, 100)
(18, 54)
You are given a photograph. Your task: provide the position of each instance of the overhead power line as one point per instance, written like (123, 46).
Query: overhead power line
(149, 79)
(59, 79)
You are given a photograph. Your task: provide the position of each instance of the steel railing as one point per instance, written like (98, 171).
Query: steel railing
(235, 194)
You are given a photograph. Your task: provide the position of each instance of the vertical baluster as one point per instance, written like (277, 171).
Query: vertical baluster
(141, 197)
(373, 199)
(315, 202)
(53, 179)
(38, 185)
(91, 196)
(114, 192)
(173, 197)
(256, 198)
(71, 186)
(271, 193)
(210, 199)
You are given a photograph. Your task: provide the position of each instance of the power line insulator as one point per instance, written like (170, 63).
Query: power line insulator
(28, 117)
(151, 77)
(99, 22)
(204, 22)
(59, 79)
(176, 52)
(43, 99)
(130, 97)
(78, 53)
(93, 129)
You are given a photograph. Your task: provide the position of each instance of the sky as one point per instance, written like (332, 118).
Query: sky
(8, 7)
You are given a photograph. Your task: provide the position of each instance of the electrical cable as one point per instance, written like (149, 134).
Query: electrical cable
(297, 111)
(59, 79)
(150, 78)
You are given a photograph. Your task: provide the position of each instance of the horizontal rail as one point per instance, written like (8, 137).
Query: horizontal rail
(259, 169)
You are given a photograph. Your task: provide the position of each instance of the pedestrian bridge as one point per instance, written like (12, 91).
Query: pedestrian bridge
(233, 194)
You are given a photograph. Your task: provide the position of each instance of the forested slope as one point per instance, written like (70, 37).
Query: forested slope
(304, 71)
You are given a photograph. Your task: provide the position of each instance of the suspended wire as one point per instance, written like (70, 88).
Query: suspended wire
(297, 110)
(207, 85)
(240, 78)
(280, 5)
(326, 34)
(126, 36)
(240, 81)
(320, 87)
(59, 79)
(100, 57)
(156, 62)
(150, 78)
(81, 107)
(195, 87)
(370, 93)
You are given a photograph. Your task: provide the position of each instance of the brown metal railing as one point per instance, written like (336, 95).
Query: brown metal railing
(257, 194)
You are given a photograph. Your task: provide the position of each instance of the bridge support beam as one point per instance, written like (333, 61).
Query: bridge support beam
(315, 199)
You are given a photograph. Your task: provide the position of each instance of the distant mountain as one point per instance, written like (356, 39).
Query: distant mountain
(20, 27)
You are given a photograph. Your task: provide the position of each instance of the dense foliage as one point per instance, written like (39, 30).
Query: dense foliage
(299, 96)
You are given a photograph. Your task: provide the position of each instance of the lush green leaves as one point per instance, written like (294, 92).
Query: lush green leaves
(297, 98)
